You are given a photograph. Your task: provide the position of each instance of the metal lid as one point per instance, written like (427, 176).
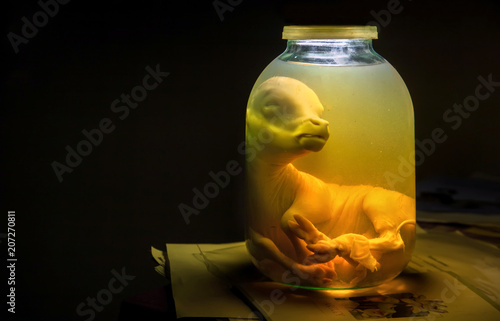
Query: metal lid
(330, 32)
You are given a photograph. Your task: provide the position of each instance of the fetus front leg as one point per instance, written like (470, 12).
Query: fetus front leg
(304, 229)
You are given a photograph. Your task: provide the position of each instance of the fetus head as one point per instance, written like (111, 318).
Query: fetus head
(288, 113)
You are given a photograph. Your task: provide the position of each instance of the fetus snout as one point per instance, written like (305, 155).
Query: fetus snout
(313, 134)
(318, 122)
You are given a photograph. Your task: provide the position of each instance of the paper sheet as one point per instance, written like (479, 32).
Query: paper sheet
(198, 292)
(160, 259)
(474, 263)
(419, 296)
(451, 277)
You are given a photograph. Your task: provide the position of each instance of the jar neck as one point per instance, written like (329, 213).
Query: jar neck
(338, 52)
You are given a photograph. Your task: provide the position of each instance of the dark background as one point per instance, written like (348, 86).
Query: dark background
(124, 196)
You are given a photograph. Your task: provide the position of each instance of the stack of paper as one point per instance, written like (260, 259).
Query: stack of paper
(450, 277)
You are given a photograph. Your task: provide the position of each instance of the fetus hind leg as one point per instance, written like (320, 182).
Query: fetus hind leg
(388, 212)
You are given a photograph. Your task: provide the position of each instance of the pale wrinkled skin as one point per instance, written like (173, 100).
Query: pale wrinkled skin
(327, 235)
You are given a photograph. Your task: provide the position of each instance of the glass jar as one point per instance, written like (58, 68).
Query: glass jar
(330, 162)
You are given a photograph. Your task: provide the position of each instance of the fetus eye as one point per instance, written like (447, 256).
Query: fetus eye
(271, 110)
(283, 112)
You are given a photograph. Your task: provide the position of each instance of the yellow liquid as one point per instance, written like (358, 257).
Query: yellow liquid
(370, 116)
(371, 124)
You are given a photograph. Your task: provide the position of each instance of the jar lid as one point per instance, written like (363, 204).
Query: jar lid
(330, 32)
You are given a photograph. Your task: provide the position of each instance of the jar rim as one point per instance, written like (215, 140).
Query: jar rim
(329, 32)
